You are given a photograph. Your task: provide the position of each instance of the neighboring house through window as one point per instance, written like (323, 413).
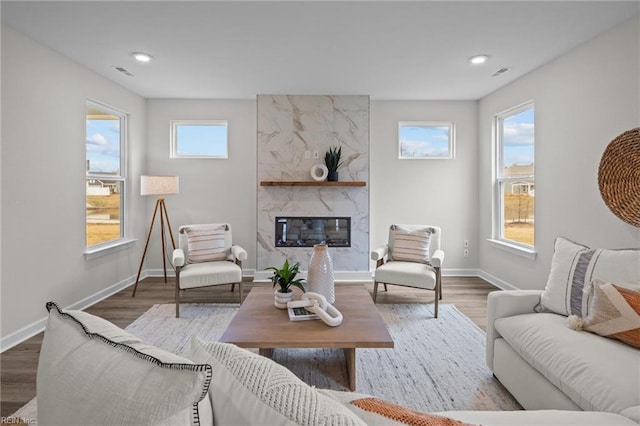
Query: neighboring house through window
(515, 176)
(106, 131)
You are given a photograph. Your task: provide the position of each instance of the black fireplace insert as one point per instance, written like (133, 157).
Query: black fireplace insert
(310, 230)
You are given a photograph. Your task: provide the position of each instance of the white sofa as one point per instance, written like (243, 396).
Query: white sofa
(546, 364)
(94, 373)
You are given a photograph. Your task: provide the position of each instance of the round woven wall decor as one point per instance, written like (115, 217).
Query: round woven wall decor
(619, 176)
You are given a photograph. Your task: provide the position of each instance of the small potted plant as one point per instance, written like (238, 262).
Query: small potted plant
(332, 161)
(284, 278)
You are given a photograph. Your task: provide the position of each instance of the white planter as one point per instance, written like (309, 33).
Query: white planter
(280, 299)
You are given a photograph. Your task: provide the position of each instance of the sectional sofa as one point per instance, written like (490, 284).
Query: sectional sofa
(93, 373)
(576, 344)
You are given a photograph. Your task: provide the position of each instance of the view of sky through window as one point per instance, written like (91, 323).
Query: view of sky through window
(518, 139)
(202, 140)
(103, 145)
(424, 141)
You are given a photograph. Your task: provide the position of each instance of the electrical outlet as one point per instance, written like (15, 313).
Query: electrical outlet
(465, 243)
(466, 252)
(315, 154)
(307, 154)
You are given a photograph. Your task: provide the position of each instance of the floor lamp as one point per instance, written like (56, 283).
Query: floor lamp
(158, 185)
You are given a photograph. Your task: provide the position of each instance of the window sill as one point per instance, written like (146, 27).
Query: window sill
(108, 248)
(528, 253)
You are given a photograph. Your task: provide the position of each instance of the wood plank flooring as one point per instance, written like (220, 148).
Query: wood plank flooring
(19, 364)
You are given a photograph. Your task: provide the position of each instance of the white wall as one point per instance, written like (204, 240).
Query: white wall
(211, 190)
(583, 100)
(43, 181)
(435, 192)
(430, 192)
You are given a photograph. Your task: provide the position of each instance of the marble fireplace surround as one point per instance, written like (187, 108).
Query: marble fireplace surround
(291, 129)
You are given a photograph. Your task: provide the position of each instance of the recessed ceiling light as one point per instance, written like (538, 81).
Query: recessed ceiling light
(478, 59)
(142, 57)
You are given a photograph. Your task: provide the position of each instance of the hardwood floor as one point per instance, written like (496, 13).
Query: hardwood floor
(20, 363)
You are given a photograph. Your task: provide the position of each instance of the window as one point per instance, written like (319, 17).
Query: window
(426, 139)
(199, 139)
(106, 175)
(515, 176)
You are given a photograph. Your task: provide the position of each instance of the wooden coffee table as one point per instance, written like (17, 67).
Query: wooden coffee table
(258, 324)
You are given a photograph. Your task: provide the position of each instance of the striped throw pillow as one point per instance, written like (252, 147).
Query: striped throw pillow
(615, 313)
(575, 266)
(411, 245)
(206, 244)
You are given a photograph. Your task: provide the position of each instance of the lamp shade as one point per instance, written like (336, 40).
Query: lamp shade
(159, 185)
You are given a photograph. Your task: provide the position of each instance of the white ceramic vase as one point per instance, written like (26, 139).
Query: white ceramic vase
(280, 299)
(320, 276)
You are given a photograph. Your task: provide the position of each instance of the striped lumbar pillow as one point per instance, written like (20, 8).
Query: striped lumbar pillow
(411, 245)
(615, 313)
(575, 266)
(206, 244)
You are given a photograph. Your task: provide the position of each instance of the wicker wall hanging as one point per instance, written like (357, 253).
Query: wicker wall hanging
(619, 176)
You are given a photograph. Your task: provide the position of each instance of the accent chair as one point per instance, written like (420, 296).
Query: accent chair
(411, 258)
(207, 257)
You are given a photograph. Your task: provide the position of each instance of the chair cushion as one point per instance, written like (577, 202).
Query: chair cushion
(410, 274)
(206, 244)
(574, 266)
(596, 373)
(615, 313)
(249, 389)
(209, 273)
(91, 372)
(410, 245)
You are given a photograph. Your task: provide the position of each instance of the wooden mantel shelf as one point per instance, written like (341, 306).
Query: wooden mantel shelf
(310, 183)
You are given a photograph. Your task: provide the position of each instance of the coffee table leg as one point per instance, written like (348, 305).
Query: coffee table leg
(266, 352)
(350, 356)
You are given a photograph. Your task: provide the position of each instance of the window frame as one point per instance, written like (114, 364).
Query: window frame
(451, 125)
(499, 182)
(122, 177)
(173, 138)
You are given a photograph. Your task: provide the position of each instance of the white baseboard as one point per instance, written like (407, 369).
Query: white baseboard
(156, 273)
(496, 281)
(460, 272)
(36, 327)
(19, 336)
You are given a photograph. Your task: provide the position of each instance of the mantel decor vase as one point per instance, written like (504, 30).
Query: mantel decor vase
(281, 299)
(320, 276)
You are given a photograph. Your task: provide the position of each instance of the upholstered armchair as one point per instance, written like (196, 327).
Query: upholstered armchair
(412, 258)
(206, 257)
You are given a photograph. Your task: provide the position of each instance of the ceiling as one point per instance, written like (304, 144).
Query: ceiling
(415, 50)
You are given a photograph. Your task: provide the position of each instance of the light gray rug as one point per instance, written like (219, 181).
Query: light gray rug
(436, 365)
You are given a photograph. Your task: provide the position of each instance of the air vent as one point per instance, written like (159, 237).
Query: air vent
(124, 71)
(500, 72)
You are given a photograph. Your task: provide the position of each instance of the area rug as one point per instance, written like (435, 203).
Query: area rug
(436, 364)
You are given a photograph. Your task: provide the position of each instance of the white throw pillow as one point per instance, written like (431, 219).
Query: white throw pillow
(249, 389)
(411, 245)
(206, 244)
(575, 266)
(91, 372)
